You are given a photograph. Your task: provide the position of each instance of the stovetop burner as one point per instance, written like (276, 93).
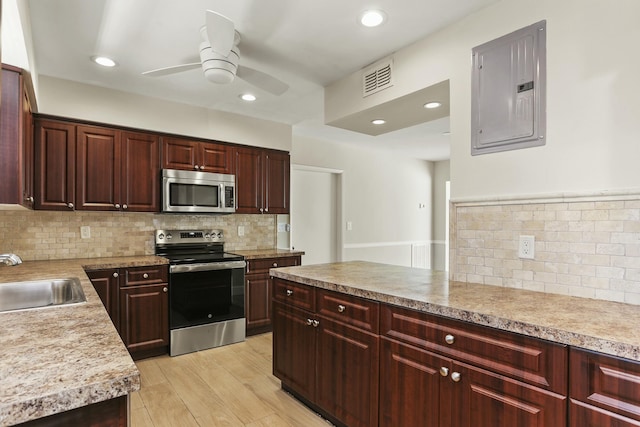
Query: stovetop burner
(192, 246)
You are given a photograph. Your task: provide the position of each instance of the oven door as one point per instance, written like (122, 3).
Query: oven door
(206, 293)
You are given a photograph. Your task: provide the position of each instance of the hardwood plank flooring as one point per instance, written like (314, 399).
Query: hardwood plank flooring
(228, 386)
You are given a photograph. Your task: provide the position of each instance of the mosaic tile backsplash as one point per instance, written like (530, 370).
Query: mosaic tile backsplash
(42, 235)
(582, 248)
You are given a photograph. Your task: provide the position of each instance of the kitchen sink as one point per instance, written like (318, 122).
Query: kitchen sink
(40, 294)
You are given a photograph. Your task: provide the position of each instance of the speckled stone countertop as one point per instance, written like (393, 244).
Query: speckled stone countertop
(61, 358)
(267, 253)
(608, 327)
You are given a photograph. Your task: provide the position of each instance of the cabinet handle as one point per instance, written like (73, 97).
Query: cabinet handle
(449, 339)
(165, 289)
(315, 323)
(117, 205)
(341, 308)
(201, 168)
(145, 275)
(455, 377)
(261, 210)
(275, 264)
(124, 206)
(70, 205)
(309, 322)
(266, 210)
(289, 292)
(197, 167)
(28, 199)
(444, 371)
(115, 274)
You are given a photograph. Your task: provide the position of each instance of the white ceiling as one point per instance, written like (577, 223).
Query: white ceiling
(305, 43)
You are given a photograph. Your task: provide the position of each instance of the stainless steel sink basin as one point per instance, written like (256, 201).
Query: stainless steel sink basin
(40, 294)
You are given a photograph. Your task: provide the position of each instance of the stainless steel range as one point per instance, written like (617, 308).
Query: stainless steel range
(206, 290)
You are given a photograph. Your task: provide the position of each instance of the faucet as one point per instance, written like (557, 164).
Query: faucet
(10, 259)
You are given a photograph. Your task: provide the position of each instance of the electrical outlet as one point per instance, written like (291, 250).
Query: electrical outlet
(349, 226)
(85, 232)
(526, 247)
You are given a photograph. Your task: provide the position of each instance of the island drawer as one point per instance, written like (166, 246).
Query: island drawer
(603, 388)
(294, 294)
(262, 265)
(535, 361)
(352, 310)
(146, 275)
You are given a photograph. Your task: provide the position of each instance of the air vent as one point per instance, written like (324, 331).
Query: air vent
(377, 77)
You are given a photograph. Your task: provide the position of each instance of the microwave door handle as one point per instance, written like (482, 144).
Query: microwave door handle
(222, 202)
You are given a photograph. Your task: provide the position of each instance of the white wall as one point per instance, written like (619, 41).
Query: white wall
(381, 195)
(70, 99)
(439, 207)
(592, 89)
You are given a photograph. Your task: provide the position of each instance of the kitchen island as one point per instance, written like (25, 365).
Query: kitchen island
(374, 345)
(58, 359)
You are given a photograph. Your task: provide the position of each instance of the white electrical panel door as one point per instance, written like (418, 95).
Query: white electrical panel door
(508, 92)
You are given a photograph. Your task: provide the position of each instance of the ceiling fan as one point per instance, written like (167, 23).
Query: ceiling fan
(219, 57)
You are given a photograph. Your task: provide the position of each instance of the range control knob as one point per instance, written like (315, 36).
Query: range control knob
(206, 235)
(169, 236)
(160, 236)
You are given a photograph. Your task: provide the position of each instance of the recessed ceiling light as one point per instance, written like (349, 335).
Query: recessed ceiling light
(433, 104)
(372, 18)
(104, 61)
(378, 122)
(248, 97)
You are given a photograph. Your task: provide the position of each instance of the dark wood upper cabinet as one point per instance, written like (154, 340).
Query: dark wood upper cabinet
(185, 154)
(140, 179)
(262, 181)
(55, 162)
(98, 169)
(16, 139)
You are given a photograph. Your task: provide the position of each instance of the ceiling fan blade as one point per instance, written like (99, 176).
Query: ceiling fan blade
(262, 80)
(171, 70)
(220, 32)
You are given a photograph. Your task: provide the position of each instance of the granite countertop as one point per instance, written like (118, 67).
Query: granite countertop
(267, 253)
(607, 327)
(60, 358)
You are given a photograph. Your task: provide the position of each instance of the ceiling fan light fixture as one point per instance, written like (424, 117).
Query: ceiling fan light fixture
(104, 61)
(372, 18)
(432, 104)
(219, 68)
(249, 97)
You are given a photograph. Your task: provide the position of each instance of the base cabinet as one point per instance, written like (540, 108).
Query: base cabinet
(258, 291)
(108, 413)
(137, 300)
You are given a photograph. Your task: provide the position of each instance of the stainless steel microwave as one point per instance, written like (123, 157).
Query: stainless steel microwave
(198, 192)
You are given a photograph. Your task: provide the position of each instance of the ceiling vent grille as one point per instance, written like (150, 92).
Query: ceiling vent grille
(377, 77)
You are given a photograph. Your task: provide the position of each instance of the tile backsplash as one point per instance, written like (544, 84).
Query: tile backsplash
(584, 246)
(42, 235)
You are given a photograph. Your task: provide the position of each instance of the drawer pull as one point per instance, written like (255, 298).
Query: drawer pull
(145, 275)
(449, 339)
(115, 274)
(341, 308)
(316, 323)
(165, 289)
(275, 264)
(309, 322)
(444, 371)
(455, 377)
(289, 292)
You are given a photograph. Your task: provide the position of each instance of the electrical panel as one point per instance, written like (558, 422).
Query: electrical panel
(508, 91)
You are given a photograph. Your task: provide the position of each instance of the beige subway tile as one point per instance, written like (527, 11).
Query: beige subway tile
(583, 292)
(494, 281)
(484, 271)
(610, 249)
(631, 226)
(545, 277)
(533, 286)
(556, 206)
(556, 226)
(581, 206)
(625, 238)
(609, 204)
(523, 275)
(597, 260)
(582, 270)
(545, 216)
(512, 283)
(569, 279)
(595, 215)
(609, 226)
(570, 236)
(596, 282)
(625, 214)
(556, 247)
(632, 298)
(555, 288)
(610, 295)
(625, 261)
(567, 215)
(475, 278)
(582, 225)
(610, 272)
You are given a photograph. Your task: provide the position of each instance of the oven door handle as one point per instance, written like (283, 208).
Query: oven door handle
(207, 266)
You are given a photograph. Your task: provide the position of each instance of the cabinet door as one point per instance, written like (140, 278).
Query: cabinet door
(99, 169)
(27, 151)
(258, 303)
(55, 157)
(277, 180)
(144, 317)
(216, 158)
(347, 373)
(485, 399)
(410, 386)
(249, 181)
(179, 154)
(106, 284)
(140, 172)
(294, 345)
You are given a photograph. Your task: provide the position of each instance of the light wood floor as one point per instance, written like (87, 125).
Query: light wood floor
(224, 386)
